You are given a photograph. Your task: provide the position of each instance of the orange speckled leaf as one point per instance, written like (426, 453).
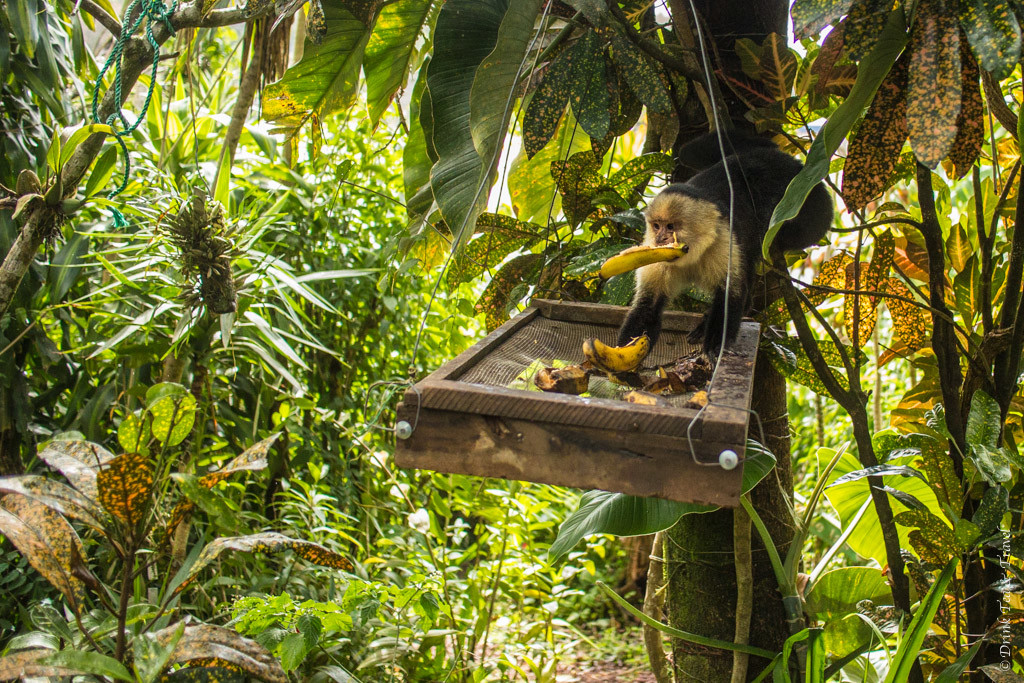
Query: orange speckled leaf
(46, 540)
(25, 664)
(911, 258)
(78, 461)
(196, 673)
(59, 497)
(863, 26)
(214, 646)
(970, 124)
(875, 148)
(267, 542)
(871, 280)
(645, 78)
(832, 274)
(933, 85)
(252, 458)
(125, 485)
(994, 33)
(910, 323)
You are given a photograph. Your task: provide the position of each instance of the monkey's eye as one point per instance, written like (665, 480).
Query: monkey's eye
(669, 227)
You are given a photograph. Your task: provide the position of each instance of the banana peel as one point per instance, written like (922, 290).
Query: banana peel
(638, 257)
(616, 359)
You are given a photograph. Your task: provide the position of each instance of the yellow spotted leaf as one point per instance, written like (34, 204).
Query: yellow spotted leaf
(933, 85)
(125, 484)
(267, 542)
(173, 418)
(970, 124)
(832, 274)
(875, 148)
(59, 497)
(47, 541)
(910, 323)
(861, 310)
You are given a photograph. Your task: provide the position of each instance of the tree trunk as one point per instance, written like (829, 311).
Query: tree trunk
(700, 566)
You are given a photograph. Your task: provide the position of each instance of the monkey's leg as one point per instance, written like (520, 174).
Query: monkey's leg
(715, 322)
(643, 318)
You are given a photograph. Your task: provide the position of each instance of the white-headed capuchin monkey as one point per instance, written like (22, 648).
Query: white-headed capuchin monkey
(696, 213)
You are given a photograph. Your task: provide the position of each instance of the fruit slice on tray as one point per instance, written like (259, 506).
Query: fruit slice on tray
(617, 358)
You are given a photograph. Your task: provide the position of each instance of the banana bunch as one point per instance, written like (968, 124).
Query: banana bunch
(638, 257)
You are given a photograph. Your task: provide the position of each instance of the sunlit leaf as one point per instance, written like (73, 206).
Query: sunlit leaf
(831, 274)
(530, 184)
(994, 504)
(588, 92)
(47, 541)
(391, 51)
(910, 323)
(931, 539)
(499, 236)
(811, 16)
(59, 497)
(325, 80)
(994, 32)
(984, 421)
(173, 418)
(214, 646)
(125, 484)
(267, 542)
(578, 181)
(87, 662)
(933, 84)
(78, 461)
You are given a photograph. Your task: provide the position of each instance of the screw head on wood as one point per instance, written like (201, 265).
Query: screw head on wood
(728, 459)
(403, 430)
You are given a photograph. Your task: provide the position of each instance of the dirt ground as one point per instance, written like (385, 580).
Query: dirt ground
(604, 673)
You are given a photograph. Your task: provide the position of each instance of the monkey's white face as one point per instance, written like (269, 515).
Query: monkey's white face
(674, 218)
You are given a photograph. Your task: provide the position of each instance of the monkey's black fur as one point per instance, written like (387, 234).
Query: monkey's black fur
(760, 173)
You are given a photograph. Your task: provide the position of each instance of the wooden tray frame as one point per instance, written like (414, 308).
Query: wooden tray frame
(494, 431)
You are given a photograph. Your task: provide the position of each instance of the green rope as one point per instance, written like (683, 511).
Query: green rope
(151, 11)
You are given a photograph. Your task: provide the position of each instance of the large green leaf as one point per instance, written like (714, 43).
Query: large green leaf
(493, 92)
(847, 499)
(465, 35)
(391, 50)
(325, 80)
(834, 597)
(872, 71)
(601, 512)
(910, 645)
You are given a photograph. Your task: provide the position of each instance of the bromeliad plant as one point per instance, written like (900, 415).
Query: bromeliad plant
(123, 617)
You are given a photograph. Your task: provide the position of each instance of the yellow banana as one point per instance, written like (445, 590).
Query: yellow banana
(617, 358)
(637, 257)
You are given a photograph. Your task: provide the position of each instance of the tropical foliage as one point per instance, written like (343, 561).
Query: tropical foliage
(210, 308)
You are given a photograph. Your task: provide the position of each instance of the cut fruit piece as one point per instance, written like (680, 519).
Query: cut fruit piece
(572, 379)
(617, 358)
(638, 257)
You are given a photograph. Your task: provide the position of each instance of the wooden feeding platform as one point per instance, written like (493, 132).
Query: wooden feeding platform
(475, 415)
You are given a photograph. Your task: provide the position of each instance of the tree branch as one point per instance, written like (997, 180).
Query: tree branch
(107, 20)
(654, 50)
(997, 105)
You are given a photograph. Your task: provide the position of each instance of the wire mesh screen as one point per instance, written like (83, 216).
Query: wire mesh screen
(545, 343)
